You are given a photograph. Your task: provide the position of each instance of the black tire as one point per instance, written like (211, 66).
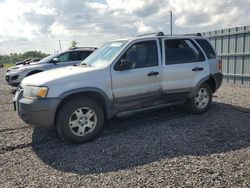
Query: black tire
(65, 114)
(192, 107)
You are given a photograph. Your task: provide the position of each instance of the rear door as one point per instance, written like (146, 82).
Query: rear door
(140, 85)
(183, 67)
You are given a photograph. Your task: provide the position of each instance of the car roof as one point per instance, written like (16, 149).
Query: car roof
(161, 35)
(82, 49)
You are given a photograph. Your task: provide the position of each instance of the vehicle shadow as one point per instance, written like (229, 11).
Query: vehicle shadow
(147, 137)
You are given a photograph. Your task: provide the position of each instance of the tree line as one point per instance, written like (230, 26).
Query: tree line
(14, 57)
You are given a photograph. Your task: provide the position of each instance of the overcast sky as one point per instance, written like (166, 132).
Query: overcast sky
(40, 24)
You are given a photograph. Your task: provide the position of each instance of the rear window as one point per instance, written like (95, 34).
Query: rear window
(207, 48)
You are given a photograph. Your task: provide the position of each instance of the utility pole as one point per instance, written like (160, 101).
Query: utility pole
(171, 22)
(60, 47)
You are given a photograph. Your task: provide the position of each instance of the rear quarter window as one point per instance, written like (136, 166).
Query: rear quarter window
(207, 48)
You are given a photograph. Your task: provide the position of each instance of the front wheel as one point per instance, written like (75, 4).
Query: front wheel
(201, 100)
(80, 120)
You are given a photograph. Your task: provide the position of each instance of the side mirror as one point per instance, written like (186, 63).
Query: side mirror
(124, 64)
(55, 60)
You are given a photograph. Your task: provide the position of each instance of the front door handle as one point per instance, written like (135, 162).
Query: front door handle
(153, 73)
(197, 69)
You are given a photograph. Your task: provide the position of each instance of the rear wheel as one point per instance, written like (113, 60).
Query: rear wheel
(201, 100)
(80, 120)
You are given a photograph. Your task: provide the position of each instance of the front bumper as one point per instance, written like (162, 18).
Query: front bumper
(12, 79)
(37, 112)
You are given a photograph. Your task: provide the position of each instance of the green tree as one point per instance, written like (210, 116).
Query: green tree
(14, 57)
(73, 44)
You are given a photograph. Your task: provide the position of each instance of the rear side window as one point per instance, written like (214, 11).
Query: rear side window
(207, 48)
(79, 55)
(73, 56)
(83, 54)
(180, 51)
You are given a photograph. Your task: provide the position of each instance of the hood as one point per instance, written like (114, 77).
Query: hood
(23, 66)
(61, 74)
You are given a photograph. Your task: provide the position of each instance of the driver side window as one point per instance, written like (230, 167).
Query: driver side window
(142, 54)
(64, 57)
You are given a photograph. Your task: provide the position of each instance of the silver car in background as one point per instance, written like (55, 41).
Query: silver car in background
(16, 74)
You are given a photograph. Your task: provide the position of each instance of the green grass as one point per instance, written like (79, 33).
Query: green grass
(7, 65)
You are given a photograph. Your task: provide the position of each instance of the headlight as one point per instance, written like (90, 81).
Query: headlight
(35, 92)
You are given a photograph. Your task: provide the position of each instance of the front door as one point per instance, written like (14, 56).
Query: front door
(67, 59)
(140, 85)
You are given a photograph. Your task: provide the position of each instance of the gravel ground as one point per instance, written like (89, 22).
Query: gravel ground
(163, 148)
(236, 96)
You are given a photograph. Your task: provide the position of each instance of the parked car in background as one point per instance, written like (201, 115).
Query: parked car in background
(120, 78)
(28, 61)
(22, 62)
(14, 75)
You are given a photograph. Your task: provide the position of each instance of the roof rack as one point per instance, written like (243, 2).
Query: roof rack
(75, 48)
(162, 34)
(156, 34)
(191, 34)
(146, 34)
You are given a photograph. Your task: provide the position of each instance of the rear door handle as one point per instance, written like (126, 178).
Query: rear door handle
(153, 73)
(197, 69)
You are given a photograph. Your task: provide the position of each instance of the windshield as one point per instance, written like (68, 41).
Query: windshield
(48, 58)
(104, 55)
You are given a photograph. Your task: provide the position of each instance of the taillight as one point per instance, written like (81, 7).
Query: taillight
(220, 66)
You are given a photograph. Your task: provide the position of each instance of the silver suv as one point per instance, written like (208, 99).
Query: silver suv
(16, 74)
(120, 78)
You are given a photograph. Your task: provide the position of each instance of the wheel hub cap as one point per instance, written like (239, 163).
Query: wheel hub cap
(201, 98)
(82, 121)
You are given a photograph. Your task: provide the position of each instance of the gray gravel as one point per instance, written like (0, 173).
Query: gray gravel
(163, 148)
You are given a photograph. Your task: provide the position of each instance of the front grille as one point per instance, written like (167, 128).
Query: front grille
(14, 77)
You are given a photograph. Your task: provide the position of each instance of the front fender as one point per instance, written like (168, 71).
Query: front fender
(107, 102)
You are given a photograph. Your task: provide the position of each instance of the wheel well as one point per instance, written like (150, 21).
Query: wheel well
(89, 94)
(33, 72)
(212, 84)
